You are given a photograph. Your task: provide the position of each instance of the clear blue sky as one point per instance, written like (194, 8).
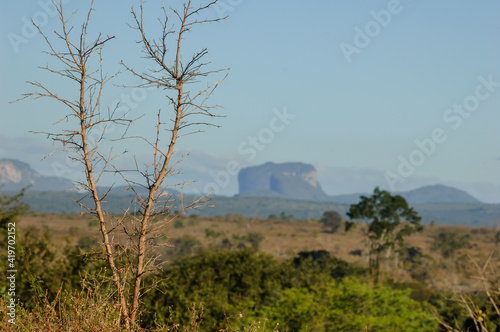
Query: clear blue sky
(362, 112)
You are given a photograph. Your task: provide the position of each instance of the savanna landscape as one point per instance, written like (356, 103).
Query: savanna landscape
(355, 202)
(235, 273)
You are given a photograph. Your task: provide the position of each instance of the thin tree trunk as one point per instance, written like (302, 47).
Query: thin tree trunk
(95, 195)
(149, 204)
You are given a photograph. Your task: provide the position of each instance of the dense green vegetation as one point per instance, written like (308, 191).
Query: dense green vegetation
(311, 292)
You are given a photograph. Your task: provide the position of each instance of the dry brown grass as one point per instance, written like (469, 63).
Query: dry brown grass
(284, 239)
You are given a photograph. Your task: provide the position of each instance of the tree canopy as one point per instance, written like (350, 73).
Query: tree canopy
(390, 220)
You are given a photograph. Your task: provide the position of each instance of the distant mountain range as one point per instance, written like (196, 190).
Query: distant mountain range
(16, 175)
(264, 190)
(425, 195)
(438, 194)
(298, 181)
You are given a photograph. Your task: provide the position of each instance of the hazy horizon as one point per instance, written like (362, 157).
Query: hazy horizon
(398, 94)
(208, 172)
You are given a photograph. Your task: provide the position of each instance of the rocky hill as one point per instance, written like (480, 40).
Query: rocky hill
(266, 189)
(424, 195)
(16, 175)
(298, 181)
(287, 180)
(438, 194)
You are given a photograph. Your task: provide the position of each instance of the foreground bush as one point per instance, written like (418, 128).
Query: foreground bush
(310, 293)
(226, 282)
(350, 305)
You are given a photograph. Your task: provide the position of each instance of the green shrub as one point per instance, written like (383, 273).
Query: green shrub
(179, 223)
(93, 223)
(448, 243)
(87, 243)
(349, 305)
(222, 281)
(193, 220)
(186, 245)
(331, 220)
(255, 238)
(212, 233)
(356, 252)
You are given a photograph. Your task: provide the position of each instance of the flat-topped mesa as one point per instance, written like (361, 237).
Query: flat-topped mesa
(285, 180)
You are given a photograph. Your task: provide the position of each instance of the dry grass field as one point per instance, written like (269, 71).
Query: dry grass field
(284, 239)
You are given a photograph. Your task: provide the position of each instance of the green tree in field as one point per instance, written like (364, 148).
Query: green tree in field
(390, 220)
(331, 220)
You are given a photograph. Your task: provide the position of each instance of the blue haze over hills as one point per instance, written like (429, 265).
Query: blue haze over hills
(295, 180)
(264, 190)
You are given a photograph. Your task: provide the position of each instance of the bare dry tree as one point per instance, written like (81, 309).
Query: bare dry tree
(172, 74)
(81, 63)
